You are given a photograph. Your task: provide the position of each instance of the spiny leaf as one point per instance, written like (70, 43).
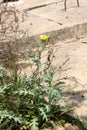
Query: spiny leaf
(43, 114)
(5, 87)
(34, 124)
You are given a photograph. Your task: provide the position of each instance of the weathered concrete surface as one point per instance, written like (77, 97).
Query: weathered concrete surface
(54, 15)
(52, 19)
(60, 26)
(75, 71)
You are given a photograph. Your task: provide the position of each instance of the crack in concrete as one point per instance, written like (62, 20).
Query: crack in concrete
(49, 19)
(40, 6)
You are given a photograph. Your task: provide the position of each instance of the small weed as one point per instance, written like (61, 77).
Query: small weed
(61, 122)
(85, 124)
(29, 101)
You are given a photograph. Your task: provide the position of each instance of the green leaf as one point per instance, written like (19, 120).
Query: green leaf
(34, 124)
(8, 115)
(1, 65)
(2, 73)
(85, 124)
(43, 114)
(61, 122)
(47, 108)
(48, 77)
(38, 43)
(5, 87)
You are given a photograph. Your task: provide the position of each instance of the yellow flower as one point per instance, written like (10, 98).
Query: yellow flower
(44, 37)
